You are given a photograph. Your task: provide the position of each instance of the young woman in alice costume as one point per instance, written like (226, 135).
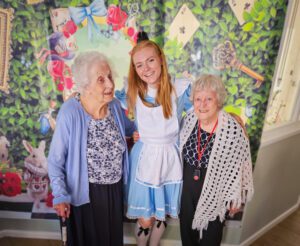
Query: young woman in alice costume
(157, 103)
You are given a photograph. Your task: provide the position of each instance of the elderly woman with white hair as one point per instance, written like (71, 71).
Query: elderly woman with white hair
(217, 174)
(88, 156)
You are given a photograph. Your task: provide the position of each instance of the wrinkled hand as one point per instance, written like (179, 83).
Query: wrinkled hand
(233, 211)
(135, 136)
(62, 210)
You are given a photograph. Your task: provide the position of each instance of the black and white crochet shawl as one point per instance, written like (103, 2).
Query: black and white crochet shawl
(228, 182)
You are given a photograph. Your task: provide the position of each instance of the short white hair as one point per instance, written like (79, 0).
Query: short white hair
(81, 66)
(213, 82)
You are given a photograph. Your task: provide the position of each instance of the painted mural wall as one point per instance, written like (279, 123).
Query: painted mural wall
(39, 40)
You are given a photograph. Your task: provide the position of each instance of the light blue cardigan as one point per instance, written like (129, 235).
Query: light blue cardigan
(67, 162)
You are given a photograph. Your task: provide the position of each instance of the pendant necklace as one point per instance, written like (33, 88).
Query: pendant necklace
(201, 151)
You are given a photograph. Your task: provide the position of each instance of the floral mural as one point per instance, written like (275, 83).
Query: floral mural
(237, 40)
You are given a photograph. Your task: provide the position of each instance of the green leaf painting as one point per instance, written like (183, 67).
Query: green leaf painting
(255, 42)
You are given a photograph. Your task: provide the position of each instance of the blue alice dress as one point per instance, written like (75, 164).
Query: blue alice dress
(155, 175)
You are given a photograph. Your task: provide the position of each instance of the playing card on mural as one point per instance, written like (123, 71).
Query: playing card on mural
(183, 26)
(239, 6)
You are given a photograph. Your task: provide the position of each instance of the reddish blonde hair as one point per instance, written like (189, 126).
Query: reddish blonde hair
(137, 87)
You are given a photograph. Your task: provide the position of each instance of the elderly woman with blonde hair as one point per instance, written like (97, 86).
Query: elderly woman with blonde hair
(88, 157)
(217, 175)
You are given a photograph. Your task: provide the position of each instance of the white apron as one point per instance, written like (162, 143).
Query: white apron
(159, 161)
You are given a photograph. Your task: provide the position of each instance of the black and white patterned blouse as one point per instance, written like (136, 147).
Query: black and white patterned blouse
(105, 148)
(190, 154)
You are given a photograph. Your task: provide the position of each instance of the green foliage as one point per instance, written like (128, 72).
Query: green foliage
(256, 43)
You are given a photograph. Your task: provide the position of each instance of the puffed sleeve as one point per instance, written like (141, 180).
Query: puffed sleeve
(183, 91)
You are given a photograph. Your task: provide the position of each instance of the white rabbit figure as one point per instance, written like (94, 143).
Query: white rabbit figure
(4, 144)
(36, 173)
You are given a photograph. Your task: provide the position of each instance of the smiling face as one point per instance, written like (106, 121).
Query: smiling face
(147, 65)
(206, 105)
(101, 85)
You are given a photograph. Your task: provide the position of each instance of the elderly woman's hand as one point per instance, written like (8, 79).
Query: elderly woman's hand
(233, 211)
(62, 210)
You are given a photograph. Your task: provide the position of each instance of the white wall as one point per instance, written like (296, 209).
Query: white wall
(277, 187)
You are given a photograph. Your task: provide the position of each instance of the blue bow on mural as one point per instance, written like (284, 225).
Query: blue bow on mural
(78, 15)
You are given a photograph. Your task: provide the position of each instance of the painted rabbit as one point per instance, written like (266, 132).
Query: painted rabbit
(4, 144)
(36, 173)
